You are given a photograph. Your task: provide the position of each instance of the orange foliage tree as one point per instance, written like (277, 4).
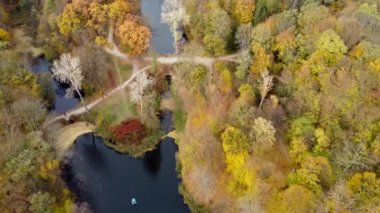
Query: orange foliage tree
(134, 37)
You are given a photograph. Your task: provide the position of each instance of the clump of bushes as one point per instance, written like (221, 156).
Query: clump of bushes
(130, 131)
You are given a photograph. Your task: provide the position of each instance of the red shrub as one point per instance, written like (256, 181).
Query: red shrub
(132, 128)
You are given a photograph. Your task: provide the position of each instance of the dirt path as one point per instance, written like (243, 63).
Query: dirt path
(81, 110)
(68, 134)
(172, 59)
(114, 51)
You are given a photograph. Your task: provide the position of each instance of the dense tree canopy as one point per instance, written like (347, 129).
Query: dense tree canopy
(100, 19)
(276, 104)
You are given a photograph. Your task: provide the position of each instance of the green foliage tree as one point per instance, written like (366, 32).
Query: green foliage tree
(331, 46)
(323, 142)
(217, 28)
(41, 202)
(264, 8)
(197, 76)
(244, 64)
(302, 127)
(234, 141)
(214, 45)
(242, 111)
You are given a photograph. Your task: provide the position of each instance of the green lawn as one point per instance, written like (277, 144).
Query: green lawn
(121, 71)
(117, 108)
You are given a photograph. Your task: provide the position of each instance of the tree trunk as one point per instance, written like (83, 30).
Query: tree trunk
(295, 4)
(176, 46)
(175, 35)
(141, 104)
(82, 100)
(261, 101)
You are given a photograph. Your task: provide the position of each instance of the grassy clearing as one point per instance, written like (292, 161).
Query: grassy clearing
(179, 119)
(180, 116)
(116, 108)
(122, 71)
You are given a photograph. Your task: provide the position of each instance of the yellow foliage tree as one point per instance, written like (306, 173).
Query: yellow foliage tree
(323, 142)
(331, 46)
(247, 94)
(365, 187)
(243, 10)
(69, 20)
(285, 45)
(295, 199)
(97, 16)
(235, 145)
(298, 150)
(119, 9)
(226, 80)
(4, 35)
(260, 59)
(47, 169)
(375, 65)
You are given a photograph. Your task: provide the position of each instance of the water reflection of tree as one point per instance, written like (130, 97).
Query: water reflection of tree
(152, 161)
(93, 153)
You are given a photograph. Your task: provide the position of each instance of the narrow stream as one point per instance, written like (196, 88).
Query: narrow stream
(61, 102)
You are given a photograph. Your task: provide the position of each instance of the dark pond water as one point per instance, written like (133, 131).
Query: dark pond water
(61, 103)
(107, 180)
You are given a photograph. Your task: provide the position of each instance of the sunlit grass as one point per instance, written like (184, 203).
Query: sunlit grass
(117, 109)
(122, 71)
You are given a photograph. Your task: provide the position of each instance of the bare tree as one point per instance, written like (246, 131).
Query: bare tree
(67, 70)
(295, 4)
(31, 112)
(243, 36)
(265, 86)
(174, 14)
(262, 134)
(206, 181)
(138, 87)
(10, 125)
(355, 157)
(340, 198)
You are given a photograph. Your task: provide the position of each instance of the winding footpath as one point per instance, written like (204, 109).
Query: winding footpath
(168, 60)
